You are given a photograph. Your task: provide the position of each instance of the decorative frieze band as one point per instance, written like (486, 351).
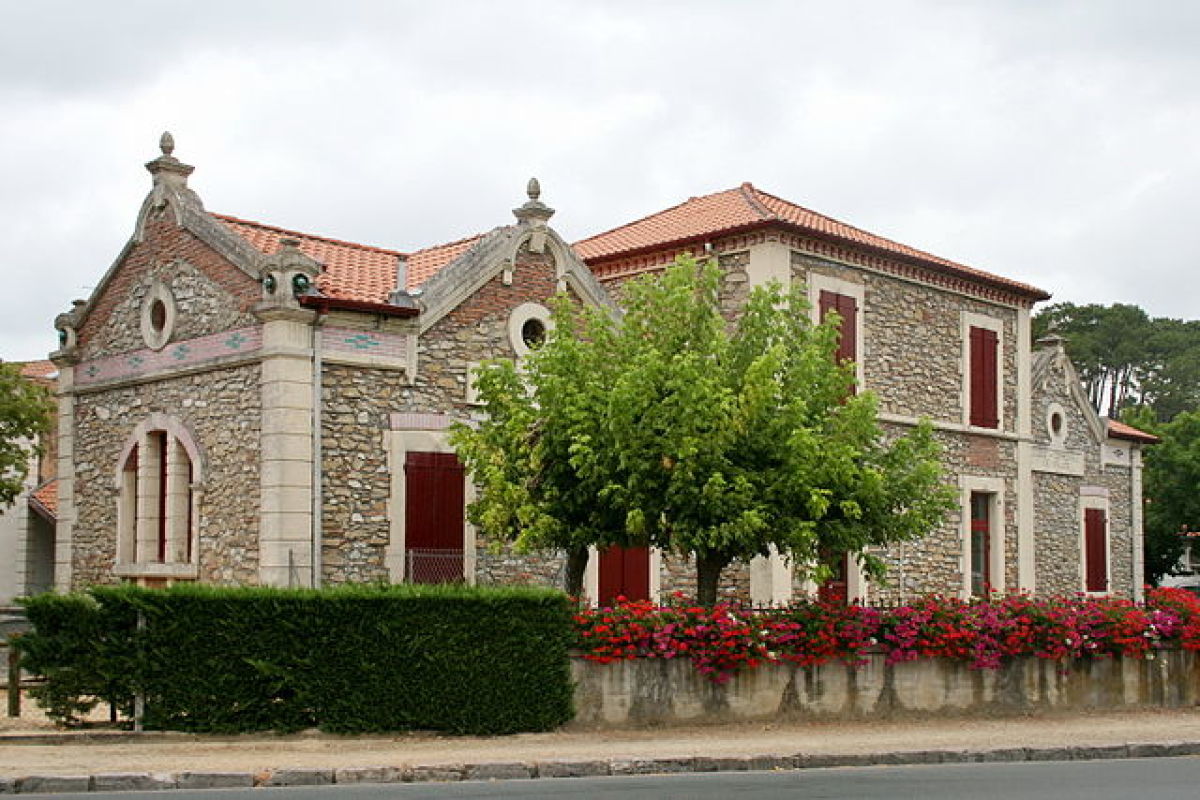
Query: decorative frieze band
(177, 355)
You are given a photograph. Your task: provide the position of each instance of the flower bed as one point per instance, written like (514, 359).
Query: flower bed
(722, 640)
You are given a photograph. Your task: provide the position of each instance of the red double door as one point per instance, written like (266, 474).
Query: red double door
(433, 517)
(624, 572)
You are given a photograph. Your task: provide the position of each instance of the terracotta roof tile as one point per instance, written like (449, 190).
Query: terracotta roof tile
(1119, 430)
(746, 208)
(39, 370)
(424, 264)
(44, 499)
(352, 271)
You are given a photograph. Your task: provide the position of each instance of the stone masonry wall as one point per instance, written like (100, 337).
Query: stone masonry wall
(356, 407)
(1057, 526)
(221, 409)
(211, 295)
(912, 342)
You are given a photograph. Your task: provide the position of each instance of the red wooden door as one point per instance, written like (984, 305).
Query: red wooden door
(624, 572)
(837, 588)
(433, 517)
(1095, 549)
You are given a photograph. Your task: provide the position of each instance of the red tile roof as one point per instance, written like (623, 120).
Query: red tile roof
(746, 208)
(39, 370)
(424, 264)
(44, 499)
(352, 271)
(1119, 430)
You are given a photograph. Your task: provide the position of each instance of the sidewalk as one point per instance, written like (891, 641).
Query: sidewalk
(34, 757)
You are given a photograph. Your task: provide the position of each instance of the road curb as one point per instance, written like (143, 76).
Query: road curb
(525, 770)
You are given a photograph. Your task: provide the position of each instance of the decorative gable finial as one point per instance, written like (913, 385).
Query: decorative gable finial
(167, 169)
(534, 212)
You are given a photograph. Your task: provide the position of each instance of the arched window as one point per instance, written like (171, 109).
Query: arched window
(158, 487)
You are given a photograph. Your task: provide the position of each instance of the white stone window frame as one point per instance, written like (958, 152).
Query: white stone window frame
(158, 292)
(516, 322)
(971, 319)
(399, 444)
(1094, 497)
(136, 532)
(1058, 439)
(818, 283)
(994, 488)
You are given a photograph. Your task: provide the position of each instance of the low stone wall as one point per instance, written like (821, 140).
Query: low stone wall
(658, 692)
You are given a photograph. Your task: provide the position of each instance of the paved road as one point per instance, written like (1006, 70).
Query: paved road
(1159, 778)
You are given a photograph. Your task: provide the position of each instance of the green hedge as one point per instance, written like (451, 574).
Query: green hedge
(350, 659)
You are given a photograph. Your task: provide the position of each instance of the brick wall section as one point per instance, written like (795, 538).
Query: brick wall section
(210, 293)
(221, 408)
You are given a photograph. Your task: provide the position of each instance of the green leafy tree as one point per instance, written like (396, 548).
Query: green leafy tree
(1169, 479)
(1125, 358)
(712, 440)
(542, 458)
(25, 410)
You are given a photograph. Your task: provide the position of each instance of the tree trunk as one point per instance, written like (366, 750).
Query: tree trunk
(577, 559)
(708, 576)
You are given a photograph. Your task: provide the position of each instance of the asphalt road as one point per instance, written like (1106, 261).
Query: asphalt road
(1158, 778)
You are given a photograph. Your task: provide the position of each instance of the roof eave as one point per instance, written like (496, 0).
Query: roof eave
(324, 304)
(1030, 292)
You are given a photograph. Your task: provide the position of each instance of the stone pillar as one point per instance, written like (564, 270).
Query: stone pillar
(1136, 523)
(178, 485)
(1026, 558)
(66, 475)
(148, 477)
(286, 517)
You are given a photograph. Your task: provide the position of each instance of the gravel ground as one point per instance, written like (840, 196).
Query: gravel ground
(96, 752)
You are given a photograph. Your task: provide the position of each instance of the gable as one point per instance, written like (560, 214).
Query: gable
(203, 291)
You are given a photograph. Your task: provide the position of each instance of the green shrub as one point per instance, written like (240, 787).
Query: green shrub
(82, 649)
(349, 659)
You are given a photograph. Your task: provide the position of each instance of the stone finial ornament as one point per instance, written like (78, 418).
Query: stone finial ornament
(1051, 341)
(167, 169)
(534, 212)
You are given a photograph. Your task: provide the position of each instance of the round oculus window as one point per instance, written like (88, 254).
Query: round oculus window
(533, 333)
(158, 315)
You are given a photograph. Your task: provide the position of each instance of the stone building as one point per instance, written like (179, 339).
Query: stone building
(241, 403)
(27, 527)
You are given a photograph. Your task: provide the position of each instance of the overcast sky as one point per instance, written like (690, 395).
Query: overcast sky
(1051, 142)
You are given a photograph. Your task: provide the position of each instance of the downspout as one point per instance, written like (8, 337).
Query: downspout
(317, 493)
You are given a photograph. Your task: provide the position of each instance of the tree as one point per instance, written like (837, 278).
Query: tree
(713, 440)
(25, 410)
(1170, 476)
(1124, 357)
(541, 458)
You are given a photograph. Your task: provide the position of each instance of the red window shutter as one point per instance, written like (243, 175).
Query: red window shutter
(848, 343)
(847, 310)
(984, 404)
(1095, 550)
(433, 517)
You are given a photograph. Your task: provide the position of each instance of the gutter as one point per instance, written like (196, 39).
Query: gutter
(325, 304)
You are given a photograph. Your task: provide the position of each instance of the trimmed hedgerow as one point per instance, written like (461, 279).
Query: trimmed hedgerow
(348, 659)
